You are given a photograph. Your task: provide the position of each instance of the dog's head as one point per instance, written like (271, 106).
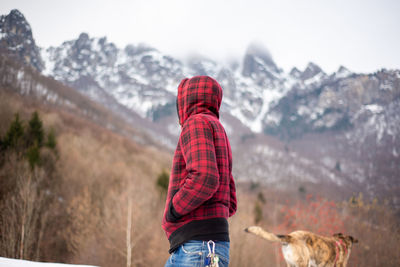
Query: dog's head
(348, 239)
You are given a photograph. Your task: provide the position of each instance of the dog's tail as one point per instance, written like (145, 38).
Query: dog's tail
(267, 235)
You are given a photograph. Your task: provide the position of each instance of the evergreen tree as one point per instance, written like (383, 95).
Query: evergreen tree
(1, 154)
(163, 181)
(14, 134)
(338, 166)
(35, 131)
(258, 213)
(33, 155)
(51, 140)
(261, 198)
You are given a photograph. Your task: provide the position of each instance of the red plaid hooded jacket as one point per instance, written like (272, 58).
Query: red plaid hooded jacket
(201, 192)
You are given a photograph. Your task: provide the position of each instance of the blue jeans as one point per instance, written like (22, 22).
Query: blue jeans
(193, 254)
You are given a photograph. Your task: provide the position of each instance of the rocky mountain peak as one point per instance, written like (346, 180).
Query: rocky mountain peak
(83, 40)
(201, 65)
(342, 72)
(342, 69)
(261, 52)
(295, 72)
(16, 38)
(311, 71)
(82, 56)
(259, 65)
(96, 45)
(15, 23)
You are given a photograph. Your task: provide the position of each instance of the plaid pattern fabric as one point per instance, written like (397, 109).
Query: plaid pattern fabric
(201, 183)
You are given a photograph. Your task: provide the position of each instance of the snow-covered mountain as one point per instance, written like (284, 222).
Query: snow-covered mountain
(17, 41)
(256, 91)
(338, 125)
(144, 80)
(138, 77)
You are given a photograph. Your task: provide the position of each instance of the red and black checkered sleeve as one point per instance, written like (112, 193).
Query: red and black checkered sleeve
(233, 201)
(202, 181)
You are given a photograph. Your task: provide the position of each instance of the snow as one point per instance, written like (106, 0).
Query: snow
(374, 108)
(20, 74)
(48, 62)
(328, 162)
(264, 66)
(342, 73)
(386, 86)
(174, 128)
(290, 80)
(253, 113)
(267, 151)
(395, 152)
(269, 96)
(228, 128)
(303, 110)
(315, 79)
(273, 118)
(172, 87)
(6, 262)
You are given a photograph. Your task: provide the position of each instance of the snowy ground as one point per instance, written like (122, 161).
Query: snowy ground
(5, 262)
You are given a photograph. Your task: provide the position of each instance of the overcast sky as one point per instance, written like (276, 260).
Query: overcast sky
(363, 35)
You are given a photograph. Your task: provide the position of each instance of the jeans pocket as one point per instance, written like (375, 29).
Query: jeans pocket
(222, 250)
(189, 255)
(192, 249)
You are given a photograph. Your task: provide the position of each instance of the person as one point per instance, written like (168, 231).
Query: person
(201, 192)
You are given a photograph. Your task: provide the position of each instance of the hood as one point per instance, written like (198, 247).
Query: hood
(200, 94)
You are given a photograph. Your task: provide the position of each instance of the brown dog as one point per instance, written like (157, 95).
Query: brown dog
(305, 249)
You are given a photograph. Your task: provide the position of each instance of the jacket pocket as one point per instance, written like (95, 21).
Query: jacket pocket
(172, 215)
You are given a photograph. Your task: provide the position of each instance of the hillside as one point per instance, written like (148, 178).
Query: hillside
(96, 172)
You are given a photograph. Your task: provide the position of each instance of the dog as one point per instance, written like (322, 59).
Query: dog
(306, 249)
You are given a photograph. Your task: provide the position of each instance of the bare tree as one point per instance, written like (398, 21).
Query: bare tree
(22, 213)
(128, 235)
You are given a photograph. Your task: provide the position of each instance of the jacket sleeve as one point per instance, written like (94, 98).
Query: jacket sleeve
(233, 201)
(202, 181)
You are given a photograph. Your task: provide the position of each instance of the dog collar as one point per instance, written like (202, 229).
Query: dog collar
(338, 244)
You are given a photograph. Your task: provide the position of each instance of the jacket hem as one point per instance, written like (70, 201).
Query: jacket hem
(216, 229)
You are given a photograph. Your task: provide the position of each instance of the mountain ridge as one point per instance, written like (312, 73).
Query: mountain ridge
(347, 115)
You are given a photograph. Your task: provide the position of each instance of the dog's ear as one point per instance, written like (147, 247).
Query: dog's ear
(338, 235)
(352, 239)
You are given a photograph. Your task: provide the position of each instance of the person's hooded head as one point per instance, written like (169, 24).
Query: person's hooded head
(200, 94)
